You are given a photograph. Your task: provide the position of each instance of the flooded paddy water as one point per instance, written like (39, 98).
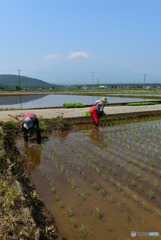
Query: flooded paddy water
(57, 100)
(100, 183)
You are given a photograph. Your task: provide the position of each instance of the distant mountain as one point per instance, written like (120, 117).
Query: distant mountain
(10, 81)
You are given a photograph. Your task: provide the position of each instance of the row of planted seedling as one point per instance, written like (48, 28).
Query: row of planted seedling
(58, 157)
(129, 170)
(97, 169)
(119, 184)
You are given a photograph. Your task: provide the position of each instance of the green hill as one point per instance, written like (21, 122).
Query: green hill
(11, 81)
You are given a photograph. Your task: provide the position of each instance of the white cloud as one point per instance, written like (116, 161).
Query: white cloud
(52, 56)
(73, 55)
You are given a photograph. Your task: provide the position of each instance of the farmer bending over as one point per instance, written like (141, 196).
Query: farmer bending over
(30, 124)
(96, 110)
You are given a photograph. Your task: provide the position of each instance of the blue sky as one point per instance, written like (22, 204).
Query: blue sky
(63, 42)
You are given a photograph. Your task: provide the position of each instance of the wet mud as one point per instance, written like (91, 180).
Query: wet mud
(100, 183)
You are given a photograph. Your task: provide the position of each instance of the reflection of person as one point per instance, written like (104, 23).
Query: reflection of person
(94, 134)
(29, 125)
(34, 153)
(97, 110)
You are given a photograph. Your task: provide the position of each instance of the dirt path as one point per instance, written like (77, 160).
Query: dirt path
(111, 111)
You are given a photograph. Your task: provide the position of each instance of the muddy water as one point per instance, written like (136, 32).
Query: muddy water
(100, 183)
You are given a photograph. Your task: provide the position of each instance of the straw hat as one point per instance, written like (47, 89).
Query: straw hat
(104, 99)
(28, 123)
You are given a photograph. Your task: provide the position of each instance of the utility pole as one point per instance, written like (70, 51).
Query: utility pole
(144, 79)
(19, 79)
(97, 82)
(92, 79)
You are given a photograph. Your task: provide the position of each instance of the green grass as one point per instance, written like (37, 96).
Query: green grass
(141, 103)
(9, 125)
(87, 113)
(73, 105)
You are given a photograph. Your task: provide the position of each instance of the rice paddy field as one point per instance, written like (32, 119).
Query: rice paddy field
(100, 183)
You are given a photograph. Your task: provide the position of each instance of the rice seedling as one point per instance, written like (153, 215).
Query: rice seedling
(156, 183)
(73, 183)
(103, 192)
(109, 169)
(69, 211)
(95, 185)
(121, 165)
(151, 169)
(56, 198)
(132, 182)
(83, 174)
(82, 196)
(56, 165)
(97, 170)
(61, 204)
(134, 162)
(124, 177)
(141, 166)
(73, 222)
(159, 173)
(82, 228)
(78, 170)
(146, 160)
(98, 212)
(127, 192)
(113, 182)
(53, 189)
(147, 178)
(139, 187)
(159, 212)
(41, 172)
(77, 191)
(66, 173)
(51, 183)
(120, 206)
(110, 198)
(119, 186)
(89, 180)
(138, 174)
(136, 198)
(127, 216)
(153, 163)
(68, 179)
(150, 194)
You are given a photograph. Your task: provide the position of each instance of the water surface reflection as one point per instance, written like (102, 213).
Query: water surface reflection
(55, 100)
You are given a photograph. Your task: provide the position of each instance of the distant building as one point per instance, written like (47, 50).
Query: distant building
(84, 87)
(101, 87)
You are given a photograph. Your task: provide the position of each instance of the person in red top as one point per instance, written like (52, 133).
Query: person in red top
(29, 125)
(97, 110)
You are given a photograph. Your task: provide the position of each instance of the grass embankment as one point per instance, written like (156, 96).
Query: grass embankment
(22, 214)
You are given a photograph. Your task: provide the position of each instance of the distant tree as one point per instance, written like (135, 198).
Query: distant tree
(17, 87)
(2, 88)
(53, 87)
